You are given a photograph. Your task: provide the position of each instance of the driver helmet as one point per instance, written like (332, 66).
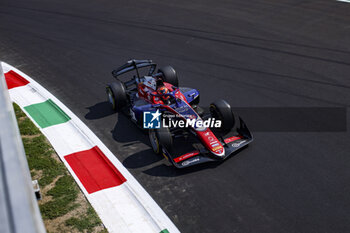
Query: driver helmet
(162, 91)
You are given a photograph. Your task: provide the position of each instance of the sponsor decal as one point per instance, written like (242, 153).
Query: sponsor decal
(190, 161)
(151, 119)
(217, 148)
(215, 144)
(237, 144)
(211, 139)
(186, 156)
(231, 139)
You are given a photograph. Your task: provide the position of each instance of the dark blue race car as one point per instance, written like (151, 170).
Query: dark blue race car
(178, 128)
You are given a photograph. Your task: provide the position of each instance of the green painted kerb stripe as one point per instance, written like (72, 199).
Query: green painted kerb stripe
(47, 114)
(164, 231)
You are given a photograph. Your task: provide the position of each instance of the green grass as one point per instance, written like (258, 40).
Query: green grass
(39, 157)
(19, 113)
(57, 208)
(26, 126)
(85, 222)
(65, 191)
(65, 186)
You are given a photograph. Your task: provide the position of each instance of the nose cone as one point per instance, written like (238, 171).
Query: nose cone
(211, 142)
(218, 151)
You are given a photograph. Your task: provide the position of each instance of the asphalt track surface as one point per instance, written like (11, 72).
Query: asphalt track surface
(258, 53)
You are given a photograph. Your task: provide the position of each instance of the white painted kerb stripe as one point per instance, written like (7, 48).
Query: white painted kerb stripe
(26, 95)
(67, 138)
(117, 211)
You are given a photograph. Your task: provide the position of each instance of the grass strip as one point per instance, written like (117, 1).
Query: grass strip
(64, 194)
(86, 222)
(59, 190)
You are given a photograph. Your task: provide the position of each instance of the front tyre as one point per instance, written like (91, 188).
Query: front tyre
(160, 138)
(154, 141)
(221, 110)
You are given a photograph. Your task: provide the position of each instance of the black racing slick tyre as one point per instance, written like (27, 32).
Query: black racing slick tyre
(160, 138)
(169, 75)
(117, 95)
(221, 110)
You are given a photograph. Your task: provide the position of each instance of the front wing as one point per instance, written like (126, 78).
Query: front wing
(232, 144)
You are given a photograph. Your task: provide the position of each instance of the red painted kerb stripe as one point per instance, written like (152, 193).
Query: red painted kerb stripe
(94, 170)
(14, 80)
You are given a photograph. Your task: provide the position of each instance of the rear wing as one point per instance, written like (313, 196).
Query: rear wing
(135, 65)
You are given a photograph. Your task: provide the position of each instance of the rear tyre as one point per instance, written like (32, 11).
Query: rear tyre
(221, 110)
(169, 75)
(160, 138)
(117, 95)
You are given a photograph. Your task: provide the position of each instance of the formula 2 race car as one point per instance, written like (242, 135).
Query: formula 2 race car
(178, 128)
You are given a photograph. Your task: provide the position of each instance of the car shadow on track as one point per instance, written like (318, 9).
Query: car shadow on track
(99, 110)
(171, 171)
(131, 139)
(125, 131)
(164, 170)
(142, 159)
(156, 165)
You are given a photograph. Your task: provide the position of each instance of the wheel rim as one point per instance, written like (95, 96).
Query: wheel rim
(154, 141)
